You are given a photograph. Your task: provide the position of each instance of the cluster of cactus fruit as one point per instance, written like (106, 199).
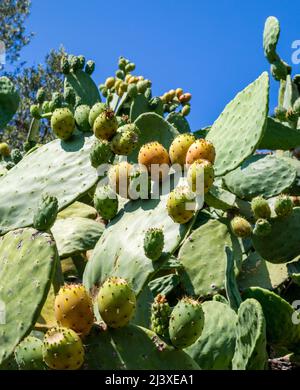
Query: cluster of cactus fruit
(132, 242)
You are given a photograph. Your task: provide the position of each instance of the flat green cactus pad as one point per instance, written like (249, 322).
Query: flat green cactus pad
(153, 128)
(76, 235)
(279, 136)
(215, 347)
(239, 129)
(120, 251)
(78, 209)
(9, 101)
(279, 315)
(179, 122)
(291, 93)
(27, 263)
(140, 105)
(258, 272)
(133, 348)
(286, 246)
(219, 198)
(251, 341)
(61, 169)
(270, 38)
(85, 89)
(264, 175)
(204, 259)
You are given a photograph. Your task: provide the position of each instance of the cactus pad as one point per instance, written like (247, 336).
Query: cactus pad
(242, 124)
(27, 262)
(260, 175)
(66, 174)
(9, 101)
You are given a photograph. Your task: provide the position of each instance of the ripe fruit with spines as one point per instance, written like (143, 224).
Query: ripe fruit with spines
(100, 153)
(179, 147)
(201, 149)
(181, 204)
(156, 159)
(81, 117)
(125, 140)
(105, 125)
(95, 111)
(119, 176)
(154, 243)
(74, 309)
(63, 123)
(283, 206)
(262, 227)
(106, 202)
(116, 302)
(46, 213)
(186, 322)
(185, 98)
(160, 316)
(260, 208)
(241, 227)
(200, 170)
(4, 149)
(63, 349)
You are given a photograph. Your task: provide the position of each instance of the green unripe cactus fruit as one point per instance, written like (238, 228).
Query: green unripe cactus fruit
(56, 101)
(179, 148)
(186, 110)
(100, 153)
(75, 63)
(29, 354)
(181, 204)
(201, 170)
(241, 227)
(35, 111)
(69, 96)
(65, 65)
(63, 349)
(262, 227)
(129, 67)
(154, 243)
(41, 95)
(132, 90)
(106, 202)
(81, 117)
(122, 63)
(160, 316)
(46, 213)
(142, 85)
(63, 123)
(116, 302)
(186, 323)
(89, 67)
(4, 149)
(95, 111)
(74, 309)
(283, 206)
(105, 125)
(125, 140)
(120, 74)
(46, 107)
(81, 60)
(16, 156)
(260, 208)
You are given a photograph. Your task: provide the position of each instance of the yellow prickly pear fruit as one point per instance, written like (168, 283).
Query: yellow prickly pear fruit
(201, 149)
(200, 170)
(179, 148)
(73, 308)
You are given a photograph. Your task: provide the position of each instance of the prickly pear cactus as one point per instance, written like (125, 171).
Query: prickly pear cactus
(23, 293)
(29, 354)
(9, 101)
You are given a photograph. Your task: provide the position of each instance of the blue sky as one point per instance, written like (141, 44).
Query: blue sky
(212, 49)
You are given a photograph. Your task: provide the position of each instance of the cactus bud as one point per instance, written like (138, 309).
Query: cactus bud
(89, 67)
(35, 111)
